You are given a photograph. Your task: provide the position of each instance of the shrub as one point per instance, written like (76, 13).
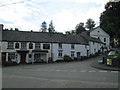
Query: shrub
(67, 58)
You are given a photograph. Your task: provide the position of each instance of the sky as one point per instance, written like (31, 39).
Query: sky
(27, 15)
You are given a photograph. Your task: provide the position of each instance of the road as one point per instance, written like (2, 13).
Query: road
(77, 74)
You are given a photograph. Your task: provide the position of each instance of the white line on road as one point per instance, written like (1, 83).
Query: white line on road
(114, 71)
(92, 71)
(103, 71)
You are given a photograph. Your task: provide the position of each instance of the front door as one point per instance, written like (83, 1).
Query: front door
(78, 55)
(23, 58)
(3, 57)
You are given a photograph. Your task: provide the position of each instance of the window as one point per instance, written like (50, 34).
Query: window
(94, 50)
(93, 43)
(46, 46)
(30, 45)
(72, 54)
(98, 31)
(72, 46)
(59, 53)
(104, 39)
(98, 37)
(23, 45)
(11, 56)
(37, 57)
(60, 45)
(37, 45)
(17, 45)
(11, 45)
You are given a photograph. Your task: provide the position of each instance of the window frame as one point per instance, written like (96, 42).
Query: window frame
(10, 45)
(23, 45)
(30, 45)
(37, 46)
(60, 45)
(72, 46)
(11, 55)
(60, 53)
(44, 47)
(17, 45)
(72, 54)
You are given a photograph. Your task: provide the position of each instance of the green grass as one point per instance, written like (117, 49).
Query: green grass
(114, 56)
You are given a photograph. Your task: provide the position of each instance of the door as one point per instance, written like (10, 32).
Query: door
(3, 57)
(78, 55)
(23, 58)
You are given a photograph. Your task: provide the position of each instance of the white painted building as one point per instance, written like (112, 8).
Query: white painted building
(102, 35)
(33, 47)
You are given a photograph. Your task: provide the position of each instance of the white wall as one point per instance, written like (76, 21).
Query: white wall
(98, 32)
(94, 47)
(66, 48)
(5, 46)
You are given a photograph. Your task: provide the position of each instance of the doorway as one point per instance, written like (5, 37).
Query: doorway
(23, 58)
(78, 55)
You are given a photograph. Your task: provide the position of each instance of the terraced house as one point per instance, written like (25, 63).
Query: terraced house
(31, 47)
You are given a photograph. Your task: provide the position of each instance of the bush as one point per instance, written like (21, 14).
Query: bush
(67, 58)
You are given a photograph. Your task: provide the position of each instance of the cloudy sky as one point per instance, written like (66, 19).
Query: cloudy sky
(29, 14)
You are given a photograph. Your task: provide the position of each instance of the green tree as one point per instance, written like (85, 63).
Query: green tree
(16, 29)
(44, 27)
(79, 28)
(51, 27)
(11, 29)
(110, 19)
(90, 24)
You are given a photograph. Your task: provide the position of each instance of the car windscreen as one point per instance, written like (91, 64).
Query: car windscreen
(111, 53)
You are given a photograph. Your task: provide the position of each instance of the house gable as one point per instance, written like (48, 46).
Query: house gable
(98, 32)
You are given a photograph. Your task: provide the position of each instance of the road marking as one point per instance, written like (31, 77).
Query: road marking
(114, 71)
(92, 71)
(103, 71)
(58, 70)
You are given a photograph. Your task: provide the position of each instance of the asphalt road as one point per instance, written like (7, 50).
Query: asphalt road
(78, 74)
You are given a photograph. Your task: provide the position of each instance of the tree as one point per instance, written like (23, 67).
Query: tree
(90, 24)
(16, 29)
(67, 32)
(79, 28)
(51, 27)
(110, 19)
(11, 29)
(44, 27)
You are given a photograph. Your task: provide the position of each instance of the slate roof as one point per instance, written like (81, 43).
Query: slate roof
(21, 36)
(91, 38)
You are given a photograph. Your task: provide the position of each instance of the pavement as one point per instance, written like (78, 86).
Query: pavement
(104, 67)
